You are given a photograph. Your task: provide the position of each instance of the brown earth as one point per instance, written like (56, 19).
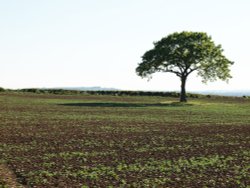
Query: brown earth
(7, 178)
(58, 145)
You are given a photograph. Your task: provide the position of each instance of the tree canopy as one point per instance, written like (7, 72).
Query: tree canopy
(183, 53)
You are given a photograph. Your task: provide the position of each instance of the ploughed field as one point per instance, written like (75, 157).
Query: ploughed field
(124, 141)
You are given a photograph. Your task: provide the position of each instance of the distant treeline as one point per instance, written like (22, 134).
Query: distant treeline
(106, 92)
(113, 92)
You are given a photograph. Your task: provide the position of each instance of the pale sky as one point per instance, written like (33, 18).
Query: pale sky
(56, 43)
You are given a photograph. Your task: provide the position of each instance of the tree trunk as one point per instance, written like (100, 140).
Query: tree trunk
(183, 97)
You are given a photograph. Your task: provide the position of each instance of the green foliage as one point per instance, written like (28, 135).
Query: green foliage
(183, 53)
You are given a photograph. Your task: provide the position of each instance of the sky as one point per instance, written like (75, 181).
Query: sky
(63, 43)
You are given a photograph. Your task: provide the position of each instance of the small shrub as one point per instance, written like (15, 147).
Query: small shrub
(2, 89)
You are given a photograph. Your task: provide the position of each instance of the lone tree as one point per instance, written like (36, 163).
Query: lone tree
(183, 53)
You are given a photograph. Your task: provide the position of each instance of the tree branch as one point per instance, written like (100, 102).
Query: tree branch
(175, 72)
(192, 70)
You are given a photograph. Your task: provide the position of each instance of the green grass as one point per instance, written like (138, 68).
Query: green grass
(132, 141)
